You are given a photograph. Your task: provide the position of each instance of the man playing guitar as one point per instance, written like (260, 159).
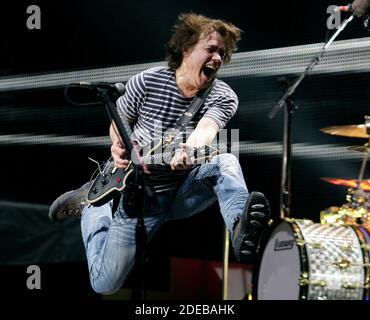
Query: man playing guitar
(153, 102)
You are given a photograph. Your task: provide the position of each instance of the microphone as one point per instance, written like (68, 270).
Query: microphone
(358, 7)
(118, 87)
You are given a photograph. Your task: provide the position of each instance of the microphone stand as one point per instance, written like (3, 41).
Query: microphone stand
(140, 185)
(287, 101)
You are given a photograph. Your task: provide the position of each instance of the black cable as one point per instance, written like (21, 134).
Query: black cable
(66, 96)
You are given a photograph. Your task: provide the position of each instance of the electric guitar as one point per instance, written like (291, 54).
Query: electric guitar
(110, 181)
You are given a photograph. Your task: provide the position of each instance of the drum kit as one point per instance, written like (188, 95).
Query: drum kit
(330, 260)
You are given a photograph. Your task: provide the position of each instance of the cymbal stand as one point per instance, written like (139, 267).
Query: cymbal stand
(366, 155)
(286, 100)
(362, 170)
(225, 269)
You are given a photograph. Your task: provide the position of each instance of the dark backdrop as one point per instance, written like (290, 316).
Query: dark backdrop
(85, 34)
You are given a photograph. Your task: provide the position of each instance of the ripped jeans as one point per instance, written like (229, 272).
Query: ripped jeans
(110, 242)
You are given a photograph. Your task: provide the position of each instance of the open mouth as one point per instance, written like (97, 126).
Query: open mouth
(209, 70)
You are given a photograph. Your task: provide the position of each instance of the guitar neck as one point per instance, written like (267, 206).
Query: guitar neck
(158, 158)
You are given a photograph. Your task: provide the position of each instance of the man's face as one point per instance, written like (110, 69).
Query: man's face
(201, 63)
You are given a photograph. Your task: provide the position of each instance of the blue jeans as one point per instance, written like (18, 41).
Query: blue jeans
(110, 242)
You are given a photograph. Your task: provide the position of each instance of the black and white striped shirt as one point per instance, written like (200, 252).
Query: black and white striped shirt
(152, 104)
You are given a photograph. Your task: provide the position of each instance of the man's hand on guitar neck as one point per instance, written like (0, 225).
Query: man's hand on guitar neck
(181, 160)
(118, 154)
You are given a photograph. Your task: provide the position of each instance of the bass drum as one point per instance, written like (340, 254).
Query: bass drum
(303, 260)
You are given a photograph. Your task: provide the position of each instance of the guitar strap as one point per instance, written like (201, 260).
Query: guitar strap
(188, 114)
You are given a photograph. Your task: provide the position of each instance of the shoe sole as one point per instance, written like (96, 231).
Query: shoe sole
(56, 207)
(252, 225)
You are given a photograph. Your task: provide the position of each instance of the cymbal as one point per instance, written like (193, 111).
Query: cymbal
(355, 131)
(364, 149)
(365, 184)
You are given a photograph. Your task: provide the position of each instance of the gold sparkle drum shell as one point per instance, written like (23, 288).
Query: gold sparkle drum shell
(306, 260)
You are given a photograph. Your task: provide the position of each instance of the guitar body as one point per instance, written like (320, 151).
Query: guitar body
(110, 183)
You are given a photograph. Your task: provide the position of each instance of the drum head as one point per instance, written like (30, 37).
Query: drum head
(280, 267)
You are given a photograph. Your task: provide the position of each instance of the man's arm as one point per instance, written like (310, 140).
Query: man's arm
(117, 149)
(203, 134)
(113, 133)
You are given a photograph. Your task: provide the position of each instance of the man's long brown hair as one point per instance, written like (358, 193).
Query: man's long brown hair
(188, 31)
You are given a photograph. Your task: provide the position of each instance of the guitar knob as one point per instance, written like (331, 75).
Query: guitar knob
(104, 181)
(95, 190)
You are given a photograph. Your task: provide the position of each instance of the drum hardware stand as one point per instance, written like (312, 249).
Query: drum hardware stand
(285, 194)
(225, 269)
(286, 100)
(362, 170)
(366, 155)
